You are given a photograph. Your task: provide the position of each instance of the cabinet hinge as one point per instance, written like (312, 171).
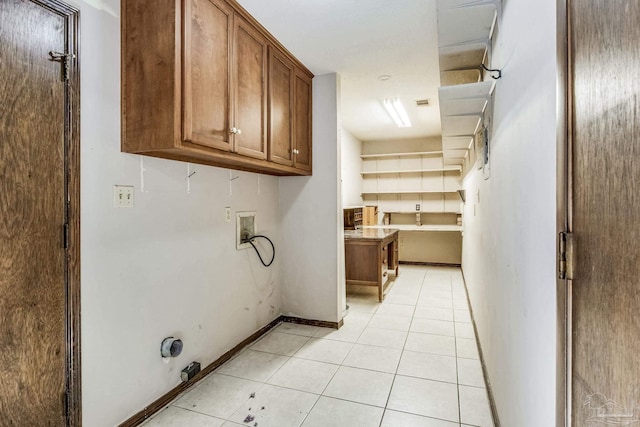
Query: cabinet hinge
(565, 256)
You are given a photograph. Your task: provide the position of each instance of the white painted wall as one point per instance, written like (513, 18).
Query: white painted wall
(351, 166)
(441, 247)
(402, 145)
(509, 242)
(311, 218)
(169, 265)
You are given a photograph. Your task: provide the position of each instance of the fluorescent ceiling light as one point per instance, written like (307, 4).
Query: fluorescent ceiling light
(397, 112)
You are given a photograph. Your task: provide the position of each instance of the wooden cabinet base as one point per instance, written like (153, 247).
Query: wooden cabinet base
(370, 260)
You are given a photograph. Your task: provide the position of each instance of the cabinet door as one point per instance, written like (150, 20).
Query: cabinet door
(250, 90)
(281, 73)
(208, 26)
(302, 122)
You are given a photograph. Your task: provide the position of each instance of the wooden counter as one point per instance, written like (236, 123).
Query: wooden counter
(369, 256)
(424, 227)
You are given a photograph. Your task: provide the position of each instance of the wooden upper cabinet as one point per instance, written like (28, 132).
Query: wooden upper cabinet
(203, 82)
(225, 87)
(289, 113)
(281, 74)
(302, 121)
(207, 71)
(250, 72)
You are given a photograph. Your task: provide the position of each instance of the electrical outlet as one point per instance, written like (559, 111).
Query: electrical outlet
(227, 214)
(417, 207)
(123, 196)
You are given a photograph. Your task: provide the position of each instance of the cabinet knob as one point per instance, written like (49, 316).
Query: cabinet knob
(296, 151)
(236, 131)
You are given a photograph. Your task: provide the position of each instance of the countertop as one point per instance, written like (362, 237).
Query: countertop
(425, 227)
(369, 233)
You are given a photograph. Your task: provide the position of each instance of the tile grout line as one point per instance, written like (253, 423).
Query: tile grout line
(395, 374)
(455, 343)
(341, 364)
(336, 372)
(263, 383)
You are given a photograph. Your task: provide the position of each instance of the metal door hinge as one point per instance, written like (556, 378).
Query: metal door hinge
(63, 58)
(65, 403)
(65, 236)
(565, 255)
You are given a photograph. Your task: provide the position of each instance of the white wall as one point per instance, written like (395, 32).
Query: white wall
(509, 235)
(311, 218)
(351, 166)
(169, 265)
(402, 145)
(441, 247)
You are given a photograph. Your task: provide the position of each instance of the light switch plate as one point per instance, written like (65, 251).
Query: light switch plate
(123, 196)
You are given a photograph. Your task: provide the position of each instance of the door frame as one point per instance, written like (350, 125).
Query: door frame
(73, 395)
(564, 133)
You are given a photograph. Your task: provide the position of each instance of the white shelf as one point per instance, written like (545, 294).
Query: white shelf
(468, 92)
(460, 125)
(443, 169)
(411, 192)
(461, 110)
(460, 22)
(426, 227)
(412, 154)
(465, 30)
(457, 142)
(399, 180)
(465, 56)
(421, 212)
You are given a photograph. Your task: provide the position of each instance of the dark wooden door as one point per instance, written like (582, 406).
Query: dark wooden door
(281, 73)
(35, 178)
(207, 74)
(250, 103)
(605, 213)
(302, 122)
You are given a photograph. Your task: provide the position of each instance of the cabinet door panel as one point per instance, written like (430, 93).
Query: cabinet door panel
(362, 261)
(302, 122)
(207, 83)
(280, 103)
(251, 91)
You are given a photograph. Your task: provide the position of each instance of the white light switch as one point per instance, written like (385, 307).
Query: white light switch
(123, 196)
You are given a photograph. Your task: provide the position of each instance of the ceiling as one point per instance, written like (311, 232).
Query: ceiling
(362, 40)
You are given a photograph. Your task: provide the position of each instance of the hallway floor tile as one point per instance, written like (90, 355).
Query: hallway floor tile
(411, 361)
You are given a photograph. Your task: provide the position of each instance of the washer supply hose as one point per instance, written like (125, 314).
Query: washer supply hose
(273, 248)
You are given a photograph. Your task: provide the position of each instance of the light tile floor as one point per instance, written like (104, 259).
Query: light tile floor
(411, 361)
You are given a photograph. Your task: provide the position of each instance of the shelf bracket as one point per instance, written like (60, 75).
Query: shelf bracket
(493, 76)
